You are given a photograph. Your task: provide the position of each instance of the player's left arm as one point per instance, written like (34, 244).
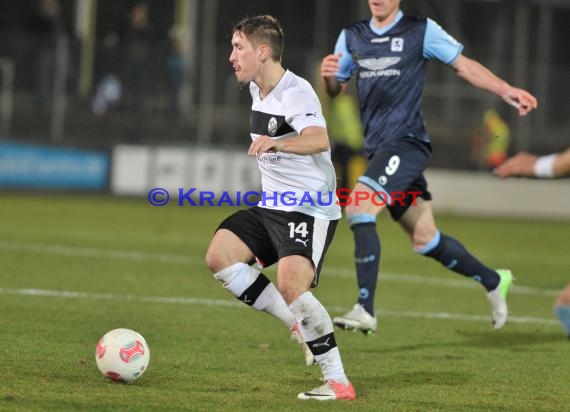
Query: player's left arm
(479, 76)
(438, 44)
(562, 164)
(529, 165)
(313, 139)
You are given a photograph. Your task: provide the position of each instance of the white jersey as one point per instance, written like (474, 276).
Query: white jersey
(291, 182)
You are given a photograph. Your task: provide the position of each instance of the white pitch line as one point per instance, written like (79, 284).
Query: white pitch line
(459, 316)
(460, 283)
(66, 294)
(138, 256)
(95, 252)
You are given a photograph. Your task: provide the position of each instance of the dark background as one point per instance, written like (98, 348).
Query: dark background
(488, 29)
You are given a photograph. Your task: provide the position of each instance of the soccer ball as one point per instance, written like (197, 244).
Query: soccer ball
(122, 355)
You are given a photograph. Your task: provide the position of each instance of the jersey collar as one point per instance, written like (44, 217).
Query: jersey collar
(383, 30)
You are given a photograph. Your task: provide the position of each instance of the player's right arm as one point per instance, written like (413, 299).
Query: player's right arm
(329, 69)
(311, 140)
(335, 68)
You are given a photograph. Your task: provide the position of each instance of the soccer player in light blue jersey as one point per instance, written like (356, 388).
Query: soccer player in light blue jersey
(388, 56)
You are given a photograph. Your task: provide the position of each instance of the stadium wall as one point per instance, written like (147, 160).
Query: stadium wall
(49, 167)
(138, 169)
(485, 195)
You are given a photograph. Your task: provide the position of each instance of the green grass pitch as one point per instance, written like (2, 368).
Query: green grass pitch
(74, 267)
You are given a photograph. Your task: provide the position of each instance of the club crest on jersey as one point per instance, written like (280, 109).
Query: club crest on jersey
(397, 44)
(272, 126)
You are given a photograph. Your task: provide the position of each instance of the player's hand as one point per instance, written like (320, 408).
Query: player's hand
(522, 164)
(264, 144)
(330, 65)
(521, 99)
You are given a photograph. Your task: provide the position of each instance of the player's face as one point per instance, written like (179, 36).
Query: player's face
(381, 9)
(243, 58)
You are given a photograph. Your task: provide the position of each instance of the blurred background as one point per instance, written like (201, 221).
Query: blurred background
(94, 74)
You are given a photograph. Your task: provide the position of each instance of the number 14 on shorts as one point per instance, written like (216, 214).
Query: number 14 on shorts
(300, 229)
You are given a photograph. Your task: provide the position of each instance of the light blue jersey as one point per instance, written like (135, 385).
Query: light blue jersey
(390, 65)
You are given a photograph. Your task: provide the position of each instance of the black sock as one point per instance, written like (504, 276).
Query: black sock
(453, 255)
(367, 260)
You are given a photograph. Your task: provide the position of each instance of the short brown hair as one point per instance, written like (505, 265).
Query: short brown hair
(263, 29)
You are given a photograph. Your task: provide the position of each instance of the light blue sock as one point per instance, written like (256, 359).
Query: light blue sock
(563, 314)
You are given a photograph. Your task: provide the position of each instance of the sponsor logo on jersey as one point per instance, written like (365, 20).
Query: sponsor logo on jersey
(397, 44)
(272, 126)
(379, 67)
(269, 157)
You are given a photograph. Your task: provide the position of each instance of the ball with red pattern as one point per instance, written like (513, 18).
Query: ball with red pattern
(122, 355)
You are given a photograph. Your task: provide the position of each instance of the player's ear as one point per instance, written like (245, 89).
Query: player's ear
(263, 52)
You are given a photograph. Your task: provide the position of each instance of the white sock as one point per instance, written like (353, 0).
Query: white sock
(256, 290)
(317, 329)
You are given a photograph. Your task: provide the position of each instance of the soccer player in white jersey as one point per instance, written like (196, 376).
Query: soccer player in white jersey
(295, 220)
